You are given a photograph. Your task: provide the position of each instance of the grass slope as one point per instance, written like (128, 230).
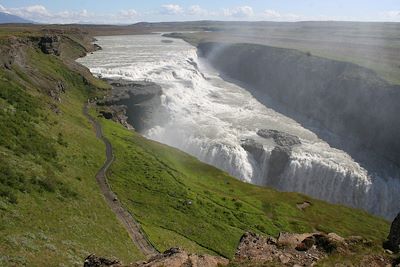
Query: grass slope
(51, 210)
(180, 201)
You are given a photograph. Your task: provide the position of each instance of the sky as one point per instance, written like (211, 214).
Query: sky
(131, 11)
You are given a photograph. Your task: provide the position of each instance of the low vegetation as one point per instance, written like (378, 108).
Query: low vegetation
(51, 210)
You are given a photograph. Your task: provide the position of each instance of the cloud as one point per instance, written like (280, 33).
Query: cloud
(171, 9)
(130, 13)
(39, 13)
(270, 14)
(391, 15)
(239, 12)
(3, 9)
(197, 11)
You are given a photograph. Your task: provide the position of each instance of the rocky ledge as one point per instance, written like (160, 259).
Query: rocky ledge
(134, 103)
(280, 155)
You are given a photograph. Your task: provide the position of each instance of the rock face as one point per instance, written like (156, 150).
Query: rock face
(278, 161)
(393, 240)
(135, 103)
(333, 94)
(254, 148)
(50, 44)
(280, 155)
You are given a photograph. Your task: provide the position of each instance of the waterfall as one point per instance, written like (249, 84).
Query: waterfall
(210, 118)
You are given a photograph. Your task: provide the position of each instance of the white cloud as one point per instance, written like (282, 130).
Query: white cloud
(391, 15)
(130, 13)
(171, 9)
(3, 9)
(41, 14)
(197, 11)
(36, 10)
(269, 13)
(239, 12)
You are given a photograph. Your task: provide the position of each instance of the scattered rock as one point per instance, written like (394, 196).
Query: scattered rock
(304, 205)
(56, 92)
(96, 47)
(176, 257)
(259, 250)
(107, 115)
(306, 244)
(94, 261)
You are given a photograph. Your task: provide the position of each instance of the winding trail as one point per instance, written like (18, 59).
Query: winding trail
(131, 225)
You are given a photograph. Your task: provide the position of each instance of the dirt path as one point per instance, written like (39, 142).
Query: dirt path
(130, 224)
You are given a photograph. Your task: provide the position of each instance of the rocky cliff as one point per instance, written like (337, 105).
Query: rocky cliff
(349, 101)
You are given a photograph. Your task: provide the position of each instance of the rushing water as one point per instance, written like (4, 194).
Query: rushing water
(210, 117)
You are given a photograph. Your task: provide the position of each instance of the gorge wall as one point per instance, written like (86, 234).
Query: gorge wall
(350, 101)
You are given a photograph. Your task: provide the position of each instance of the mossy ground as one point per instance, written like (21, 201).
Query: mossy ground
(52, 212)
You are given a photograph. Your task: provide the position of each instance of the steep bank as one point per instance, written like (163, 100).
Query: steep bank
(343, 98)
(51, 209)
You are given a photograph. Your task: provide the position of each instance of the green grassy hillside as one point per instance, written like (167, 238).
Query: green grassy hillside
(180, 201)
(51, 210)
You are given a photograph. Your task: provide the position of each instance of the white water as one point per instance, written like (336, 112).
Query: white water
(208, 118)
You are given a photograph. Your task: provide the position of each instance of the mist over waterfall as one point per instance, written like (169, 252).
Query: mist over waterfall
(224, 125)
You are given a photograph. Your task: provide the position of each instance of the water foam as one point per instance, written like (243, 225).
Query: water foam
(209, 118)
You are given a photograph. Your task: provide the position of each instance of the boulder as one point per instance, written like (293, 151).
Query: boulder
(393, 240)
(94, 261)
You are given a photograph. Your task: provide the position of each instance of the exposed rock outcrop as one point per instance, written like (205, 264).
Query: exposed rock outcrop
(254, 148)
(94, 261)
(279, 159)
(281, 251)
(393, 241)
(280, 155)
(50, 44)
(135, 103)
(291, 249)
